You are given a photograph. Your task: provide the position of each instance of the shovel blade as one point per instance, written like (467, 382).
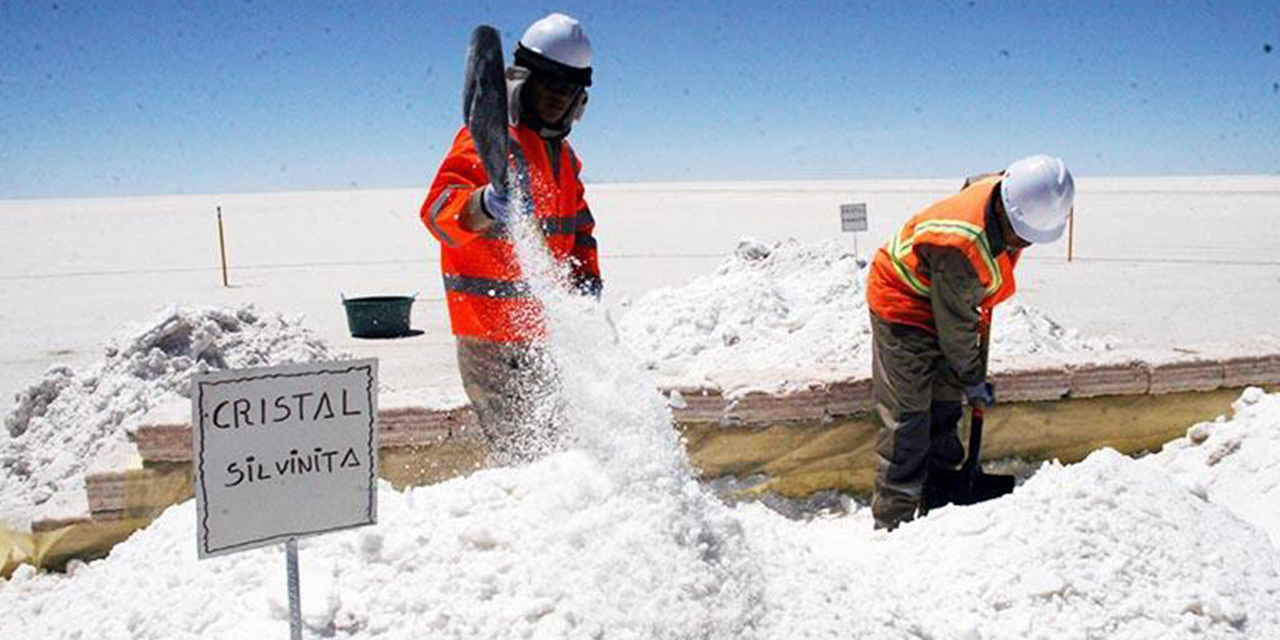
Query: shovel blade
(952, 486)
(987, 486)
(484, 103)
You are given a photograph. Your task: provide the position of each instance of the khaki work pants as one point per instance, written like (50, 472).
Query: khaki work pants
(513, 390)
(919, 401)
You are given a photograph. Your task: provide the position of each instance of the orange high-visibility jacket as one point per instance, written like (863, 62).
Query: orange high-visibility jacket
(897, 289)
(486, 295)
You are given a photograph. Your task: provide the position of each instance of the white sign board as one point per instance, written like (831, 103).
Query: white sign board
(853, 217)
(284, 452)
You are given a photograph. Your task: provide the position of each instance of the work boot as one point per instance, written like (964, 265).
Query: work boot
(891, 507)
(888, 517)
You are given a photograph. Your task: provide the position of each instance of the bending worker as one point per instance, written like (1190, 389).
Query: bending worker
(493, 316)
(931, 291)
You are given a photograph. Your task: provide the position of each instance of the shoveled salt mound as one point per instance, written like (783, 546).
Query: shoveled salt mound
(792, 309)
(1105, 548)
(61, 422)
(763, 308)
(1233, 462)
(553, 550)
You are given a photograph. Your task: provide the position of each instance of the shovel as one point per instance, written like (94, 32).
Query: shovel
(968, 484)
(484, 103)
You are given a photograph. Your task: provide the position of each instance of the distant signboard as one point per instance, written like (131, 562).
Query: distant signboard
(284, 452)
(853, 217)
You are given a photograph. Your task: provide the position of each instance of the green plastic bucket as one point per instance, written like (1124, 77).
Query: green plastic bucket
(378, 316)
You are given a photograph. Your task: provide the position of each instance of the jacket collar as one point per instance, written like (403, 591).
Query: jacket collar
(995, 236)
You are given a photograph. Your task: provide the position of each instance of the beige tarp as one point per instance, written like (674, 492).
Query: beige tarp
(799, 459)
(16, 548)
(52, 548)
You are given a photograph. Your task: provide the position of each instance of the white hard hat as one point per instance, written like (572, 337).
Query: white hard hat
(1038, 193)
(557, 45)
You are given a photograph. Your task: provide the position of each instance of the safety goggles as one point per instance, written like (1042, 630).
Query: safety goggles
(556, 85)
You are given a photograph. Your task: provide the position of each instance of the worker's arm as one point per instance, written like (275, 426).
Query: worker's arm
(453, 211)
(955, 294)
(585, 258)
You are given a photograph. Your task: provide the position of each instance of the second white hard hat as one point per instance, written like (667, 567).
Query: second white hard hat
(1038, 193)
(557, 45)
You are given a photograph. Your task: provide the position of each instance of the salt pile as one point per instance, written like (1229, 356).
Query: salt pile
(791, 310)
(560, 549)
(1107, 548)
(764, 308)
(59, 424)
(557, 549)
(1233, 462)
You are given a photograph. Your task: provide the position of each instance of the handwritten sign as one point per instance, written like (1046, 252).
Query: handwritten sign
(853, 217)
(283, 452)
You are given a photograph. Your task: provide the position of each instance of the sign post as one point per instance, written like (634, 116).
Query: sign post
(295, 590)
(222, 249)
(281, 453)
(1071, 232)
(853, 218)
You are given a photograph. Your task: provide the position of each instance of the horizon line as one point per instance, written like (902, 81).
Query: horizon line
(589, 183)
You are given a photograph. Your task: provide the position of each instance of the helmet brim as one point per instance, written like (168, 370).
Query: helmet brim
(538, 63)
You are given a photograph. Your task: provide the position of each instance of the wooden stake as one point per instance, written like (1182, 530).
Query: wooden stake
(222, 249)
(1071, 232)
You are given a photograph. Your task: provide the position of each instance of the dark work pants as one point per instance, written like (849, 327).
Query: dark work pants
(919, 403)
(513, 390)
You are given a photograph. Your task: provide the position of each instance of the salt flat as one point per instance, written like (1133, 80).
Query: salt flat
(1159, 261)
(614, 535)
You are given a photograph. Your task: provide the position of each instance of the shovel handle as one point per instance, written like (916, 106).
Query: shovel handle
(973, 459)
(976, 415)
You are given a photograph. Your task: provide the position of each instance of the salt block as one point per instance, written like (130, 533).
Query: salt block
(1187, 375)
(414, 426)
(849, 397)
(1247, 371)
(163, 434)
(1112, 379)
(164, 442)
(701, 404)
(104, 479)
(174, 412)
(762, 408)
(1032, 385)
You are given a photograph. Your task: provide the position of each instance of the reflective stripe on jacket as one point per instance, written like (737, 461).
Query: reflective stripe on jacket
(487, 297)
(898, 285)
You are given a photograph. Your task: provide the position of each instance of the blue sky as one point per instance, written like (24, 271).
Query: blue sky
(129, 98)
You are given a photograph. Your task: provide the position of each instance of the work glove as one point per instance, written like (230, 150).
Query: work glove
(495, 204)
(982, 394)
(588, 285)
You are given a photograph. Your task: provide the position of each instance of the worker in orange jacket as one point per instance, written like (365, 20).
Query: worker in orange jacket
(931, 290)
(493, 315)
